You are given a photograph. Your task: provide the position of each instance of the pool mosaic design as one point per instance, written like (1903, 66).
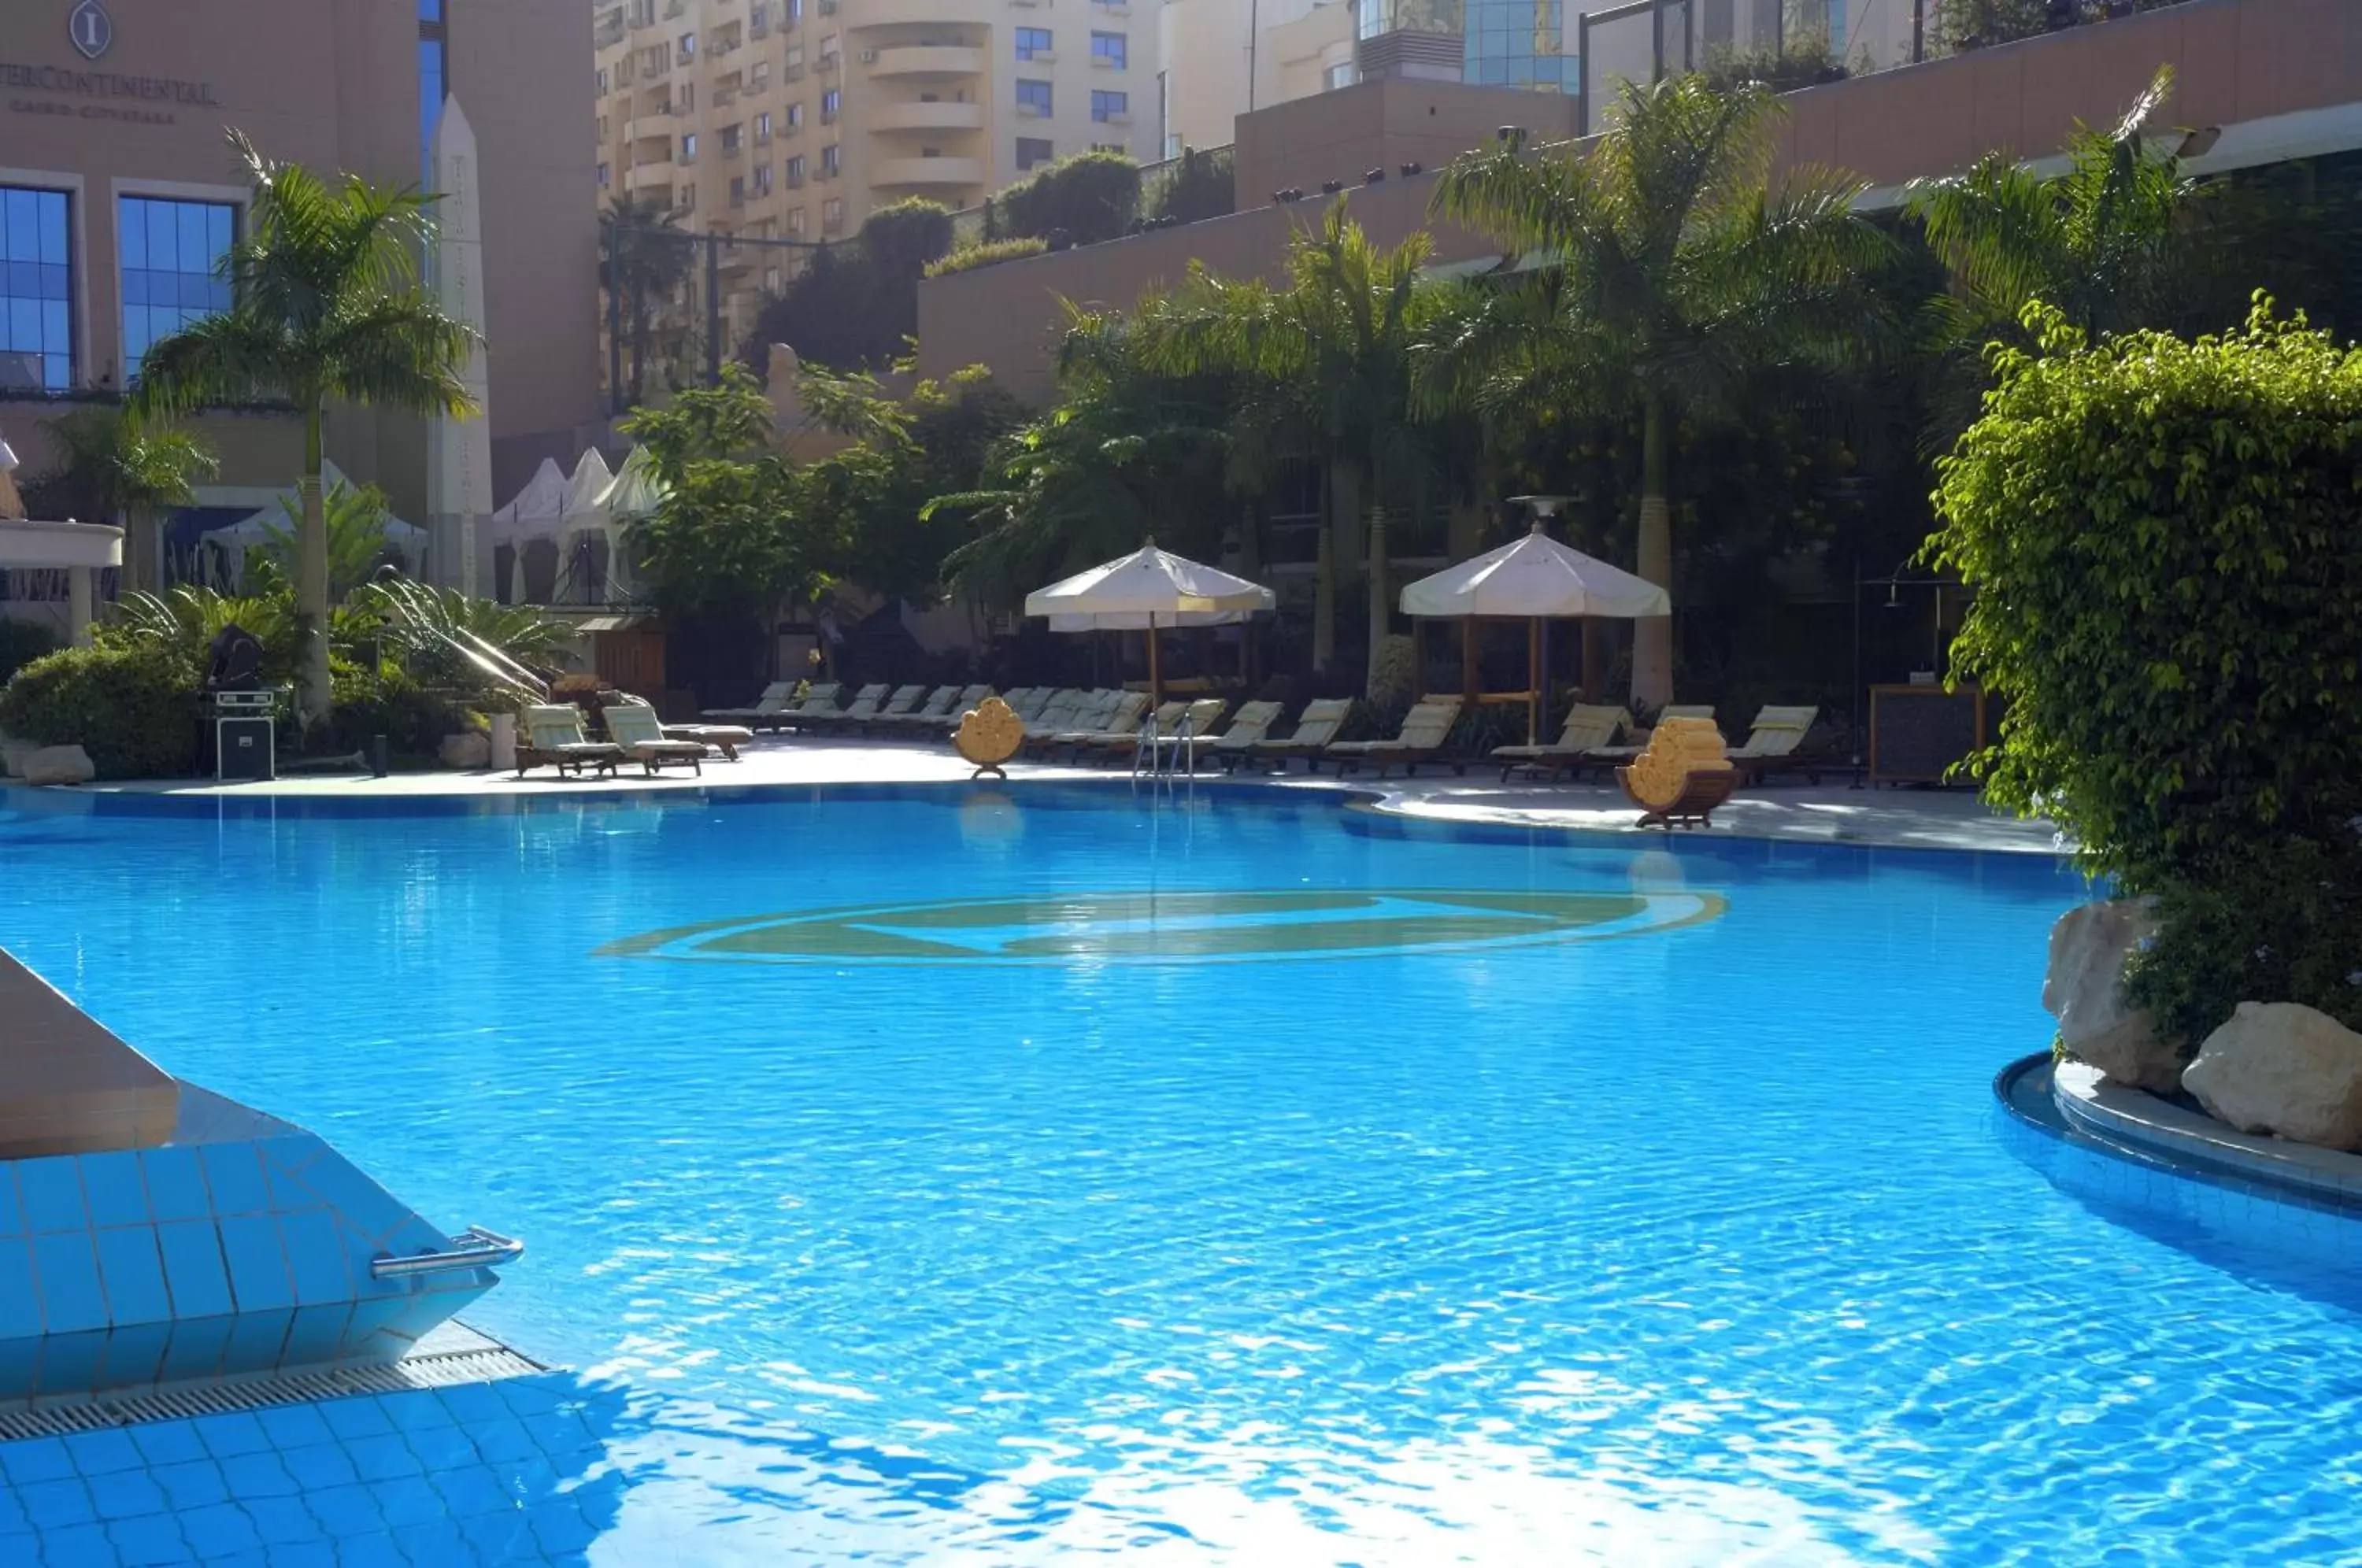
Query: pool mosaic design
(1701, 1245)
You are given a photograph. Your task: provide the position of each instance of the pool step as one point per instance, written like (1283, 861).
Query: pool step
(452, 1354)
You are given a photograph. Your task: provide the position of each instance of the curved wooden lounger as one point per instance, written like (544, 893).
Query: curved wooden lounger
(1682, 777)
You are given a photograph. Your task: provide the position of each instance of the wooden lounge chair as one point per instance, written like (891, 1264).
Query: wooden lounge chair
(1777, 744)
(1316, 731)
(865, 702)
(1063, 711)
(1682, 777)
(1182, 729)
(937, 716)
(633, 725)
(777, 698)
(553, 737)
(820, 700)
(1251, 724)
(1640, 741)
(1121, 730)
(723, 738)
(1426, 729)
(1115, 715)
(904, 701)
(1589, 726)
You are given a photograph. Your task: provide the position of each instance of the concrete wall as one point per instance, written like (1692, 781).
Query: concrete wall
(2281, 78)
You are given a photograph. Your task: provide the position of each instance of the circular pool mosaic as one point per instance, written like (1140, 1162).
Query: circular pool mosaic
(1174, 928)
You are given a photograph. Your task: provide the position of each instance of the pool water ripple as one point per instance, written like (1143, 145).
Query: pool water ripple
(1689, 1245)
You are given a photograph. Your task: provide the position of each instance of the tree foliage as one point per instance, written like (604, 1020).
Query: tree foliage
(2165, 538)
(1079, 200)
(858, 306)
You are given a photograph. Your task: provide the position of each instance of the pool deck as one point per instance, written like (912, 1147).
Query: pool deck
(1830, 812)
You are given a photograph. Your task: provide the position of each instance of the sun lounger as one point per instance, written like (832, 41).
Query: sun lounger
(1682, 777)
(1169, 729)
(1251, 724)
(1316, 731)
(1625, 753)
(633, 725)
(1589, 726)
(819, 701)
(938, 717)
(777, 698)
(904, 700)
(1777, 744)
(553, 737)
(1123, 719)
(1064, 711)
(1424, 731)
(866, 701)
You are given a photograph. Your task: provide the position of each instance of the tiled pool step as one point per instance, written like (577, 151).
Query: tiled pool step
(449, 1355)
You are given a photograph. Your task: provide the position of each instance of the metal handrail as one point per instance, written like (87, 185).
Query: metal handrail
(473, 1248)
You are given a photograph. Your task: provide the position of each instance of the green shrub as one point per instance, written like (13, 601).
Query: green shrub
(413, 718)
(2165, 540)
(132, 707)
(988, 254)
(22, 642)
(2279, 923)
(1088, 198)
(1201, 186)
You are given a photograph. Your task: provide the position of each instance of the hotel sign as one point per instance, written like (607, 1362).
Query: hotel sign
(91, 29)
(100, 94)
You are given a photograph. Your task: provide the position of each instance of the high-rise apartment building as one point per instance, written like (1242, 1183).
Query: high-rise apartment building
(793, 120)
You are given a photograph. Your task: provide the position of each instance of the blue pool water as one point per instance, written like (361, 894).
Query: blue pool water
(922, 1177)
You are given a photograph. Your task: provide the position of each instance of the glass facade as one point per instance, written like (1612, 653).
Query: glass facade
(432, 84)
(36, 290)
(171, 250)
(1520, 43)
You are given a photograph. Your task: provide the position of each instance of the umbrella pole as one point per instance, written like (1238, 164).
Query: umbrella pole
(1155, 686)
(1468, 658)
(1418, 657)
(1533, 680)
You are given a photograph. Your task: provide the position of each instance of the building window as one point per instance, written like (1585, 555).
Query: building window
(763, 126)
(733, 138)
(688, 196)
(831, 161)
(1109, 47)
(794, 170)
(602, 81)
(762, 74)
(169, 252)
(36, 292)
(1034, 98)
(687, 50)
(795, 221)
(1032, 42)
(770, 280)
(762, 179)
(794, 12)
(737, 189)
(831, 214)
(795, 117)
(1336, 76)
(688, 147)
(1033, 150)
(687, 98)
(602, 176)
(794, 69)
(1106, 106)
(432, 62)
(829, 103)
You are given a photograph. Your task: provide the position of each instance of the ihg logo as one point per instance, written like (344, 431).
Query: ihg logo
(91, 29)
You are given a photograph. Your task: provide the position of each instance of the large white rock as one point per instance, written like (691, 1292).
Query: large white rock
(469, 748)
(14, 754)
(2084, 991)
(60, 765)
(2285, 1068)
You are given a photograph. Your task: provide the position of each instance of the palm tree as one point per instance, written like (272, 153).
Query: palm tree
(328, 309)
(2101, 242)
(645, 252)
(1671, 268)
(118, 465)
(1334, 341)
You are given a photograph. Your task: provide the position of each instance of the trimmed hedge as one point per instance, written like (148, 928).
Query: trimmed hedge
(133, 708)
(1089, 197)
(22, 642)
(989, 254)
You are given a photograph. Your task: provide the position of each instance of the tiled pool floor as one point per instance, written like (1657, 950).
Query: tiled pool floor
(481, 1472)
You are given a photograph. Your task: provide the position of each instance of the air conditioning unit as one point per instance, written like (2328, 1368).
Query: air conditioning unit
(868, 57)
(1118, 119)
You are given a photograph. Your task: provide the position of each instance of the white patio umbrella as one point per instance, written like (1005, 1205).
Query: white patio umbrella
(1534, 579)
(1148, 590)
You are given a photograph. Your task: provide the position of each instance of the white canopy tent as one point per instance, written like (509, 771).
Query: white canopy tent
(1534, 579)
(227, 568)
(1148, 590)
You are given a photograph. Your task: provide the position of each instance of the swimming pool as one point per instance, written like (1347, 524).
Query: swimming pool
(1015, 1176)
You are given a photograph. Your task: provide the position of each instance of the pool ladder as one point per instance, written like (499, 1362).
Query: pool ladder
(473, 1248)
(1146, 750)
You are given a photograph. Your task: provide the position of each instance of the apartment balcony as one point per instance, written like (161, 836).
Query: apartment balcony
(926, 116)
(607, 35)
(922, 13)
(935, 172)
(641, 178)
(920, 61)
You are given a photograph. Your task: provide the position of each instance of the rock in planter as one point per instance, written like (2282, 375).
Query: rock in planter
(60, 765)
(2284, 1069)
(2084, 991)
(470, 748)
